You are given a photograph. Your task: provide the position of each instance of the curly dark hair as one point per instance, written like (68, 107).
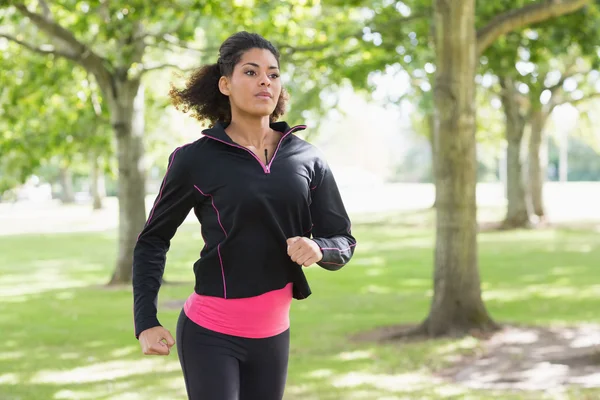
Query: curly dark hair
(201, 93)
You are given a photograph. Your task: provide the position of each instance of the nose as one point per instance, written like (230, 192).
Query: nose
(265, 81)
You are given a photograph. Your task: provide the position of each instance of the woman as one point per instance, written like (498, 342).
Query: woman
(268, 206)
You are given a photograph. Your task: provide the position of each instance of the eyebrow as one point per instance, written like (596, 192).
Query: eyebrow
(257, 66)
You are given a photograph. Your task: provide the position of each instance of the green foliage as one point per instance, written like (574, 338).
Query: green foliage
(533, 53)
(47, 109)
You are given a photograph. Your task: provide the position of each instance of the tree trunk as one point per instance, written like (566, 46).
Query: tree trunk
(430, 136)
(127, 118)
(563, 156)
(97, 187)
(517, 215)
(457, 307)
(66, 184)
(538, 162)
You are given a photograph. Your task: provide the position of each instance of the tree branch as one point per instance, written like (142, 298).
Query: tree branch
(81, 53)
(585, 98)
(159, 35)
(567, 75)
(524, 16)
(44, 49)
(52, 29)
(172, 40)
(156, 67)
(46, 9)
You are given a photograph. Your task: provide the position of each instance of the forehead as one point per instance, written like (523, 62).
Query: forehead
(262, 57)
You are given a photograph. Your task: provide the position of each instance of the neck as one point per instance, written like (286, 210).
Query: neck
(249, 130)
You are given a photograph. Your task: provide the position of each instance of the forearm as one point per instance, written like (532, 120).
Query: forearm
(337, 251)
(148, 269)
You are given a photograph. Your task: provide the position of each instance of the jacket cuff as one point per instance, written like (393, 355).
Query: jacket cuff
(145, 324)
(331, 258)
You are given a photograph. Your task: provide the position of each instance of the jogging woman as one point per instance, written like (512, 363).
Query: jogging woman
(268, 206)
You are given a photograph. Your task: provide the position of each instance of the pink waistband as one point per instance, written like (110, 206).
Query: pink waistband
(252, 317)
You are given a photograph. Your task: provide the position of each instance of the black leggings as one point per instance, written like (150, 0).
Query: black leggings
(223, 367)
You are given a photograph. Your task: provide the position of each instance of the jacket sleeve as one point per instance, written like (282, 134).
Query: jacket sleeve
(331, 224)
(175, 199)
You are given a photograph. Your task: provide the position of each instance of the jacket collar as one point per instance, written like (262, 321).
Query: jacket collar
(218, 130)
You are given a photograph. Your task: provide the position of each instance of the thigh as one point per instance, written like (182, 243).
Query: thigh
(210, 370)
(264, 373)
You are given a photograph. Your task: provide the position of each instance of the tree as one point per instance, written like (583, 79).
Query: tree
(119, 42)
(538, 61)
(48, 116)
(517, 214)
(457, 306)
(398, 33)
(109, 40)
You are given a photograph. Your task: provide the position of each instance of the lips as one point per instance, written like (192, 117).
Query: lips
(265, 95)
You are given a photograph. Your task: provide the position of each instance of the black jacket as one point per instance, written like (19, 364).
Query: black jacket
(247, 210)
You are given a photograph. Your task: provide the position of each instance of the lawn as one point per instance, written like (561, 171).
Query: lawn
(65, 336)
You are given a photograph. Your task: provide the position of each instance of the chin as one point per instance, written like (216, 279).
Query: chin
(262, 111)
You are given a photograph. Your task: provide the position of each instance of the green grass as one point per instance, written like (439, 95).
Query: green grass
(64, 336)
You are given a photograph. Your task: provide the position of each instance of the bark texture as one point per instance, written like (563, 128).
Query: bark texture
(517, 215)
(66, 184)
(127, 117)
(123, 93)
(538, 163)
(457, 307)
(97, 183)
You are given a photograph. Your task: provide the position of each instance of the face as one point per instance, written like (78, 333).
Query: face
(255, 85)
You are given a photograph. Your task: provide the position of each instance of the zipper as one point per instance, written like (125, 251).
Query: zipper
(266, 167)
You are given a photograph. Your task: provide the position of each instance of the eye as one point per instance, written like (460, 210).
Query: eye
(274, 76)
(250, 72)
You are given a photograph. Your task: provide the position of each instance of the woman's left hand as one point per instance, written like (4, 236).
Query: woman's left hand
(304, 251)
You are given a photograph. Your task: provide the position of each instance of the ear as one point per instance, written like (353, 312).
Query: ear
(224, 85)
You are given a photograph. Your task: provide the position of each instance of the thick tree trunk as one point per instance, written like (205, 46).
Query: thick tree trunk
(127, 118)
(517, 215)
(430, 136)
(66, 184)
(457, 307)
(538, 163)
(97, 186)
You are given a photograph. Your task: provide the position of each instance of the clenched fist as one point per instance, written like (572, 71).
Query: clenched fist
(156, 341)
(304, 251)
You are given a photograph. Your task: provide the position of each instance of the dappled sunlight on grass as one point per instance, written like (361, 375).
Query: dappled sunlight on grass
(370, 262)
(171, 388)
(414, 242)
(9, 379)
(407, 382)
(70, 356)
(377, 289)
(125, 351)
(421, 283)
(519, 236)
(85, 348)
(355, 355)
(37, 284)
(106, 371)
(549, 291)
(12, 355)
(67, 394)
(320, 373)
(467, 343)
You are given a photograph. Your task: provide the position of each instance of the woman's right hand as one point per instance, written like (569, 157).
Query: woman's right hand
(156, 341)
